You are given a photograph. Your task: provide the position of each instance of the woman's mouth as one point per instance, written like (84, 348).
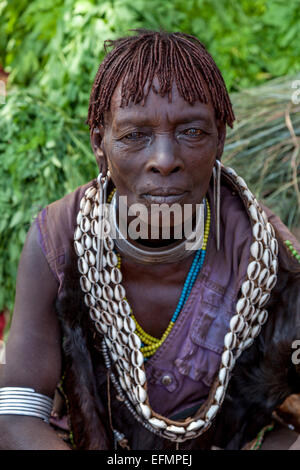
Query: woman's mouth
(164, 196)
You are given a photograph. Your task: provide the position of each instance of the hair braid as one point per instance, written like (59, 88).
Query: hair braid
(134, 61)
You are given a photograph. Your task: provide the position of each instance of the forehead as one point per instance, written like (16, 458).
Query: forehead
(157, 107)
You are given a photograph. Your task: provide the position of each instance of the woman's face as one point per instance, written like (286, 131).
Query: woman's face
(160, 152)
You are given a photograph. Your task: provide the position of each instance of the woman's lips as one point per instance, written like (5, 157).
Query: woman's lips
(164, 198)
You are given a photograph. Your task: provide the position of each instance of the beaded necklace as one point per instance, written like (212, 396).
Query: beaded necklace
(293, 250)
(150, 344)
(110, 312)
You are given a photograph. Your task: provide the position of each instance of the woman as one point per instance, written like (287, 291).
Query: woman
(162, 347)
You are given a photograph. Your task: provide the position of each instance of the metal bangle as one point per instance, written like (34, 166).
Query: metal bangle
(26, 402)
(24, 391)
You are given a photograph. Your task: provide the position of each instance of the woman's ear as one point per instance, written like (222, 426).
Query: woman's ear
(96, 138)
(221, 138)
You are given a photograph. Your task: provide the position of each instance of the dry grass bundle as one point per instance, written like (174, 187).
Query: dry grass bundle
(264, 146)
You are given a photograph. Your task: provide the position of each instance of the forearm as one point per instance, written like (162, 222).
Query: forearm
(27, 433)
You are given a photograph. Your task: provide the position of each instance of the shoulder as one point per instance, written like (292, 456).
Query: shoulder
(57, 220)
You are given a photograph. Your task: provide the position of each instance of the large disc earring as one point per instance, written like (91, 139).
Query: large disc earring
(102, 188)
(217, 194)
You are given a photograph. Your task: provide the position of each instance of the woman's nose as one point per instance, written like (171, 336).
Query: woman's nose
(164, 158)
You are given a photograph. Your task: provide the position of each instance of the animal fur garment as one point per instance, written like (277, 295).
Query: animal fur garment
(262, 378)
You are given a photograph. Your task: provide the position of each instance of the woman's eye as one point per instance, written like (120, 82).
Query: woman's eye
(193, 132)
(134, 136)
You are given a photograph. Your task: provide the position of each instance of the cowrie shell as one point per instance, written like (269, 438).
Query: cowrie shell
(271, 282)
(145, 410)
(227, 359)
(270, 229)
(139, 376)
(116, 275)
(93, 275)
(253, 213)
(274, 246)
(255, 315)
(79, 217)
(263, 317)
(250, 313)
(256, 295)
(211, 413)
(258, 231)
(101, 327)
(101, 304)
(230, 340)
(263, 300)
(86, 241)
(231, 171)
(157, 423)
(85, 284)
(219, 395)
(140, 394)
(134, 341)
(248, 195)
(129, 325)
(112, 333)
(112, 259)
(106, 318)
(194, 425)
(108, 243)
(223, 375)
(263, 277)
(90, 192)
(82, 203)
(137, 358)
(248, 343)
(255, 331)
(236, 323)
(95, 211)
(175, 429)
(242, 306)
(85, 224)
(119, 349)
(124, 307)
(94, 227)
(119, 292)
(87, 207)
(89, 300)
(247, 288)
(267, 258)
(240, 181)
(253, 270)
(78, 248)
(104, 277)
(77, 233)
(90, 258)
(118, 322)
(82, 265)
(274, 266)
(113, 308)
(266, 238)
(107, 292)
(95, 314)
(256, 250)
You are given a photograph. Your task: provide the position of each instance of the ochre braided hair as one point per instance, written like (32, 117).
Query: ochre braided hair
(134, 61)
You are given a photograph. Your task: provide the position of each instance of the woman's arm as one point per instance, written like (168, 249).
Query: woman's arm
(33, 351)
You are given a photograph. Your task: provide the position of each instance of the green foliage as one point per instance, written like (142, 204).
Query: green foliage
(45, 155)
(52, 50)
